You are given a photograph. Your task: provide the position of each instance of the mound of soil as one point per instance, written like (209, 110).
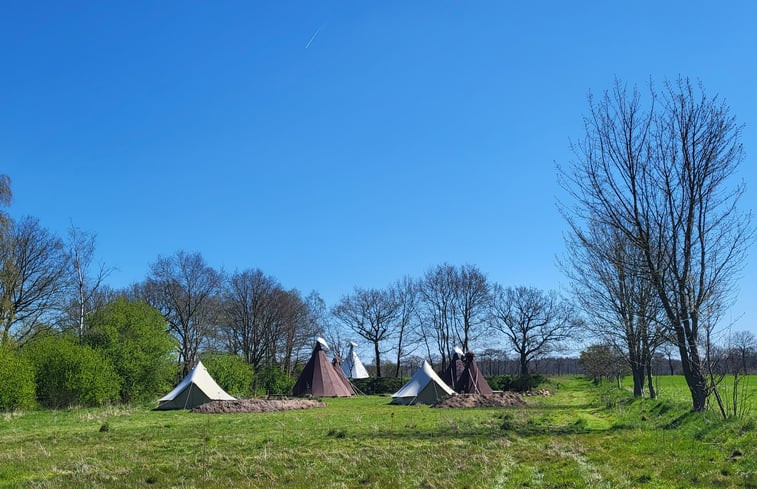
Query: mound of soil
(498, 399)
(256, 406)
(540, 392)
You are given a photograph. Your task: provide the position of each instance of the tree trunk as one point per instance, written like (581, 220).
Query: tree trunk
(637, 372)
(399, 354)
(652, 392)
(378, 358)
(523, 364)
(692, 371)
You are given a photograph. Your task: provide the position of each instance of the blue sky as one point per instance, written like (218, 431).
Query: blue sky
(337, 144)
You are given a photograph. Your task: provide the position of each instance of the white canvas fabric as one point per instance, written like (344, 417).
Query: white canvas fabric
(352, 366)
(425, 387)
(196, 388)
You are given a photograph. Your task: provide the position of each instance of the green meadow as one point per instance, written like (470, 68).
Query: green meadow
(582, 436)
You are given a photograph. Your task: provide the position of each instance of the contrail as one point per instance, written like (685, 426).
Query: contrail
(307, 44)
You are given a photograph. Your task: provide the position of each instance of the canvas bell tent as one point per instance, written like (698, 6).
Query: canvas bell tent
(352, 366)
(319, 378)
(197, 388)
(451, 376)
(472, 381)
(425, 387)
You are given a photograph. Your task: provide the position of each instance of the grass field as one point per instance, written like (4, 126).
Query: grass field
(582, 436)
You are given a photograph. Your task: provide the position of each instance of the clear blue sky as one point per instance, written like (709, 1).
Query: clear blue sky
(335, 144)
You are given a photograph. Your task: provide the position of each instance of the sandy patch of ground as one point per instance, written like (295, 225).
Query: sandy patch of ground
(256, 406)
(498, 399)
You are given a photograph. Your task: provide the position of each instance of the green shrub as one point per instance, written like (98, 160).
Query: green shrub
(380, 385)
(132, 336)
(68, 374)
(17, 387)
(500, 382)
(231, 372)
(524, 383)
(272, 380)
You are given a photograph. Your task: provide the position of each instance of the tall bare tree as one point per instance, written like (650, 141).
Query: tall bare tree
(405, 295)
(371, 313)
(32, 279)
(252, 310)
(534, 322)
(454, 305)
(618, 298)
(301, 320)
(662, 177)
(438, 294)
(87, 277)
(184, 289)
(6, 196)
(472, 300)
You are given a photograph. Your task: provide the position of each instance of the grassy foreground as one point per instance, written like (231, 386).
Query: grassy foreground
(583, 436)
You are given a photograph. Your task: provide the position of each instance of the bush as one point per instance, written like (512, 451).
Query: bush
(231, 372)
(68, 374)
(527, 382)
(380, 385)
(500, 382)
(273, 380)
(17, 387)
(132, 336)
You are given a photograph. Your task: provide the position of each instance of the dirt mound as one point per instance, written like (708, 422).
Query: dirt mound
(498, 399)
(540, 392)
(256, 406)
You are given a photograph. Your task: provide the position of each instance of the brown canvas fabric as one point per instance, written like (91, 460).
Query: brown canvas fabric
(472, 381)
(320, 378)
(451, 376)
(337, 364)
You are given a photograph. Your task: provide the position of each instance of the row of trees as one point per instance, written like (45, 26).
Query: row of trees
(48, 283)
(454, 306)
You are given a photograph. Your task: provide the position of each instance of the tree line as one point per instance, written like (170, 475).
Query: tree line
(655, 244)
(52, 284)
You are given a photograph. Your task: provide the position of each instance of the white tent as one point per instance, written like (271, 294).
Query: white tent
(197, 388)
(352, 366)
(425, 387)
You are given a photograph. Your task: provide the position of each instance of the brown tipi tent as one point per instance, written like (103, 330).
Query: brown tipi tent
(472, 381)
(451, 376)
(337, 363)
(320, 378)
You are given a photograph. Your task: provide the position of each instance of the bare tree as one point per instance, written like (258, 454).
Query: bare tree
(438, 293)
(472, 299)
(660, 177)
(301, 319)
(742, 346)
(184, 288)
(371, 313)
(405, 295)
(252, 311)
(534, 322)
(32, 279)
(87, 278)
(609, 285)
(6, 196)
